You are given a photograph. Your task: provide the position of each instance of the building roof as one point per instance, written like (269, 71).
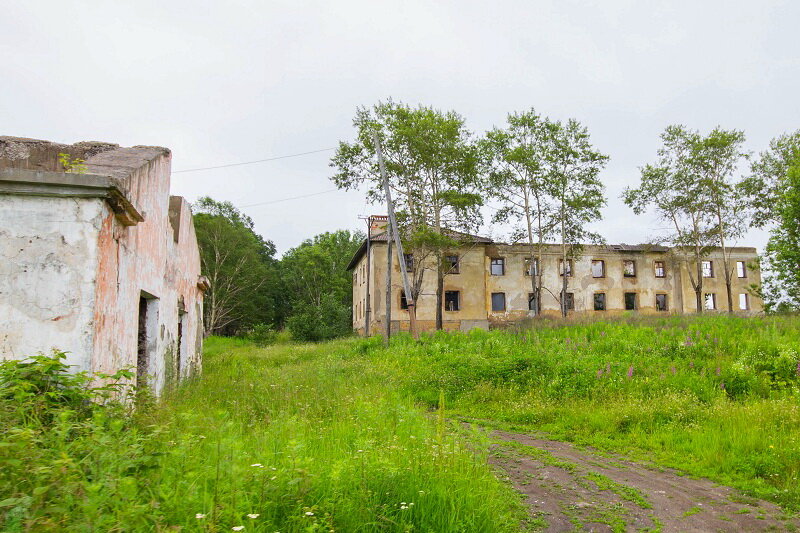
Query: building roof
(383, 237)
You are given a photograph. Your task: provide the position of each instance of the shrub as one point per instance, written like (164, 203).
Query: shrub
(315, 323)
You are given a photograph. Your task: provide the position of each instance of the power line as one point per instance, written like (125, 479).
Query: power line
(252, 162)
(292, 198)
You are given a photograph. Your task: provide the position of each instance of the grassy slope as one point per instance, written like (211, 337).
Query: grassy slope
(346, 435)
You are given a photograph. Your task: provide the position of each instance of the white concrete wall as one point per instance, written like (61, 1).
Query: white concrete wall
(48, 253)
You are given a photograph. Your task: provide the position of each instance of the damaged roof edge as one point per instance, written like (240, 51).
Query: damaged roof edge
(66, 185)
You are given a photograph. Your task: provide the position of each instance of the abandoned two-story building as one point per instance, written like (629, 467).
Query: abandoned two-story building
(98, 260)
(489, 284)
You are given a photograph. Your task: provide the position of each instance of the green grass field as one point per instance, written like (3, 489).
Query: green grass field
(351, 436)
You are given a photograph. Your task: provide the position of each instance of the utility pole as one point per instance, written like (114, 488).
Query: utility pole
(412, 309)
(388, 283)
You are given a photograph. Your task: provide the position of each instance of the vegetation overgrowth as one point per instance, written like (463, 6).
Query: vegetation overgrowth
(350, 435)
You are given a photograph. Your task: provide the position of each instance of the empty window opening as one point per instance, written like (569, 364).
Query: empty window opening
(661, 302)
(741, 269)
(403, 300)
(708, 269)
(711, 301)
(452, 301)
(497, 266)
(181, 358)
(452, 264)
(744, 302)
(629, 268)
(531, 267)
(532, 302)
(498, 301)
(561, 267)
(598, 268)
(409, 258)
(570, 301)
(599, 301)
(630, 301)
(146, 336)
(660, 270)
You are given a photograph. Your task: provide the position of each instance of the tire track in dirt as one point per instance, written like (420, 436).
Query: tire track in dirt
(577, 490)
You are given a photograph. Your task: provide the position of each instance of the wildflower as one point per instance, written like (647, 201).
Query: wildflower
(237, 528)
(199, 516)
(253, 516)
(722, 386)
(600, 373)
(691, 364)
(798, 369)
(602, 333)
(630, 371)
(673, 370)
(201, 436)
(309, 513)
(257, 465)
(608, 368)
(719, 371)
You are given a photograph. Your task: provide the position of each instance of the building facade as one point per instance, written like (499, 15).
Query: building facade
(490, 284)
(98, 260)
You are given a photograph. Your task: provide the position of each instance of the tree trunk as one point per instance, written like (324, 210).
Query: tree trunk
(439, 292)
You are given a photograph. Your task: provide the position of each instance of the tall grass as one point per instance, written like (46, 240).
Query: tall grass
(287, 438)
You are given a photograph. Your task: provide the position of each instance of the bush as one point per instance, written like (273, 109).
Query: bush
(262, 335)
(326, 321)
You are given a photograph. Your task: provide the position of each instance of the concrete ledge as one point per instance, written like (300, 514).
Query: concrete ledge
(67, 185)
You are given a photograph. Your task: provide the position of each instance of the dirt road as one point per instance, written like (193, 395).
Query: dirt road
(577, 490)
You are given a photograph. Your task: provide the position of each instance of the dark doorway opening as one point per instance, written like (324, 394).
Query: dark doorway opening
(142, 359)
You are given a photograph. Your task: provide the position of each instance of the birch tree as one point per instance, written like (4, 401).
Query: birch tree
(517, 178)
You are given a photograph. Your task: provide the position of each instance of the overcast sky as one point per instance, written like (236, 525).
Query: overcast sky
(236, 82)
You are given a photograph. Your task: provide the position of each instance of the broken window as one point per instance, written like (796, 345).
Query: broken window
(570, 301)
(630, 301)
(409, 258)
(498, 266)
(498, 301)
(561, 267)
(660, 270)
(532, 302)
(708, 269)
(598, 268)
(629, 268)
(711, 301)
(599, 301)
(661, 302)
(403, 300)
(452, 264)
(531, 271)
(452, 301)
(744, 302)
(741, 269)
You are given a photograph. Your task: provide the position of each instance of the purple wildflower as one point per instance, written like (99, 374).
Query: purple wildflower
(600, 373)
(722, 386)
(673, 370)
(719, 371)
(798, 368)
(630, 371)
(602, 333)
(608, 368)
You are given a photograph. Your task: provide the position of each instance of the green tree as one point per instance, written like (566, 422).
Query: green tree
(315, 277)
(675, 187)
(573, 183)
(773, 194)
(432, 165)
(518, 177)
(241, 268)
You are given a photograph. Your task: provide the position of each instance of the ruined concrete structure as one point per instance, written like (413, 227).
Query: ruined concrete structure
(490, 283)
(100, 261)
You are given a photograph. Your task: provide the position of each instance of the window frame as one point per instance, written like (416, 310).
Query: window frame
(713, 301)
(666, 302)
(741, 274)
(663, 269)
(602, 268)
(409, 258)
(632, 262)
(746, 301)
(502, 264)
(403, 299)
(505, 303)
(603, 299)
(710, 263)
(458, 301)
(635, 300)
(570, 268)
(527, 263)
(455, 266)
